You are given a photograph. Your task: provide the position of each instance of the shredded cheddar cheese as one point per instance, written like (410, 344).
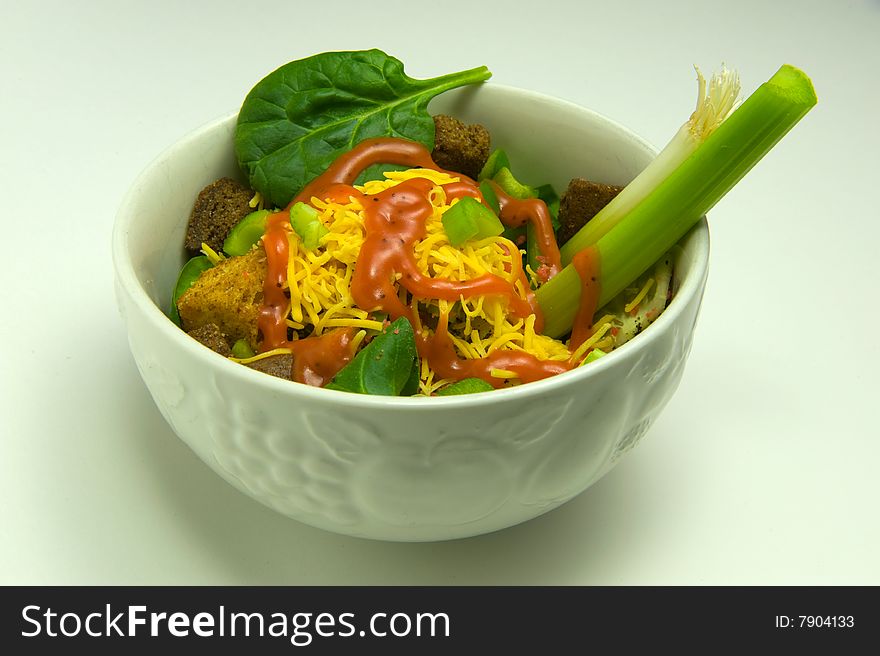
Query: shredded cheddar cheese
(590, 343)
(319, 284)
(213, 256)
(261, 356)
(633, 304)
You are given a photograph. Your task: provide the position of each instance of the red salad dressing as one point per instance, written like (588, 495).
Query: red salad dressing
(394, 221)
(586, 263)
(516, 212)
(441, 355)
(317, 359)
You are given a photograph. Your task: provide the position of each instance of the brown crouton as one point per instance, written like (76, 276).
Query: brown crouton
(210, 336)
(580, 203)
(218, 208)
(275, 365)
(229, 295)
(460, 147)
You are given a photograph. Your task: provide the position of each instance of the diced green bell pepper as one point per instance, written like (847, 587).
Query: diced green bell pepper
(470, 219)
(307, 224)
(497, 160)
(246, 233)
(513, 187)
(241, 349)
(594, 355)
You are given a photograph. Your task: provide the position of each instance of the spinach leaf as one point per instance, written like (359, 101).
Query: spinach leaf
(302, 116)
(385, 366)
(411, 387)
(466, 386)
(185, 279)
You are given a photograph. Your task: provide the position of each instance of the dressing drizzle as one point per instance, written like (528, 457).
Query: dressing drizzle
(394, 222)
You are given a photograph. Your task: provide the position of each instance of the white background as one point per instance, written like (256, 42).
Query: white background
(761, 470)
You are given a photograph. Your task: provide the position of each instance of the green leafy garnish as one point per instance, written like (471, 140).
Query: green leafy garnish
(411, 386)
(386, 366)
(297, 120)
(185, 279)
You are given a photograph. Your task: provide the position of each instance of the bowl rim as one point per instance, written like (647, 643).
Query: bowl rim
(127, 280)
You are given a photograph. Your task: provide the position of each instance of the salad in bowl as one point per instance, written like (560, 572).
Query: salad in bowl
(398, 309)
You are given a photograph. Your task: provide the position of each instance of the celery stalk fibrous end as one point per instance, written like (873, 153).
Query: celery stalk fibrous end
(715, 102)
(674, 197)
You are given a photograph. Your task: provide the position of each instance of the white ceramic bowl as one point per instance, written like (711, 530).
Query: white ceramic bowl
(409, 469)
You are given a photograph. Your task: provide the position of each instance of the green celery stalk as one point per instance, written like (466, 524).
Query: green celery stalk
(679, 200)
